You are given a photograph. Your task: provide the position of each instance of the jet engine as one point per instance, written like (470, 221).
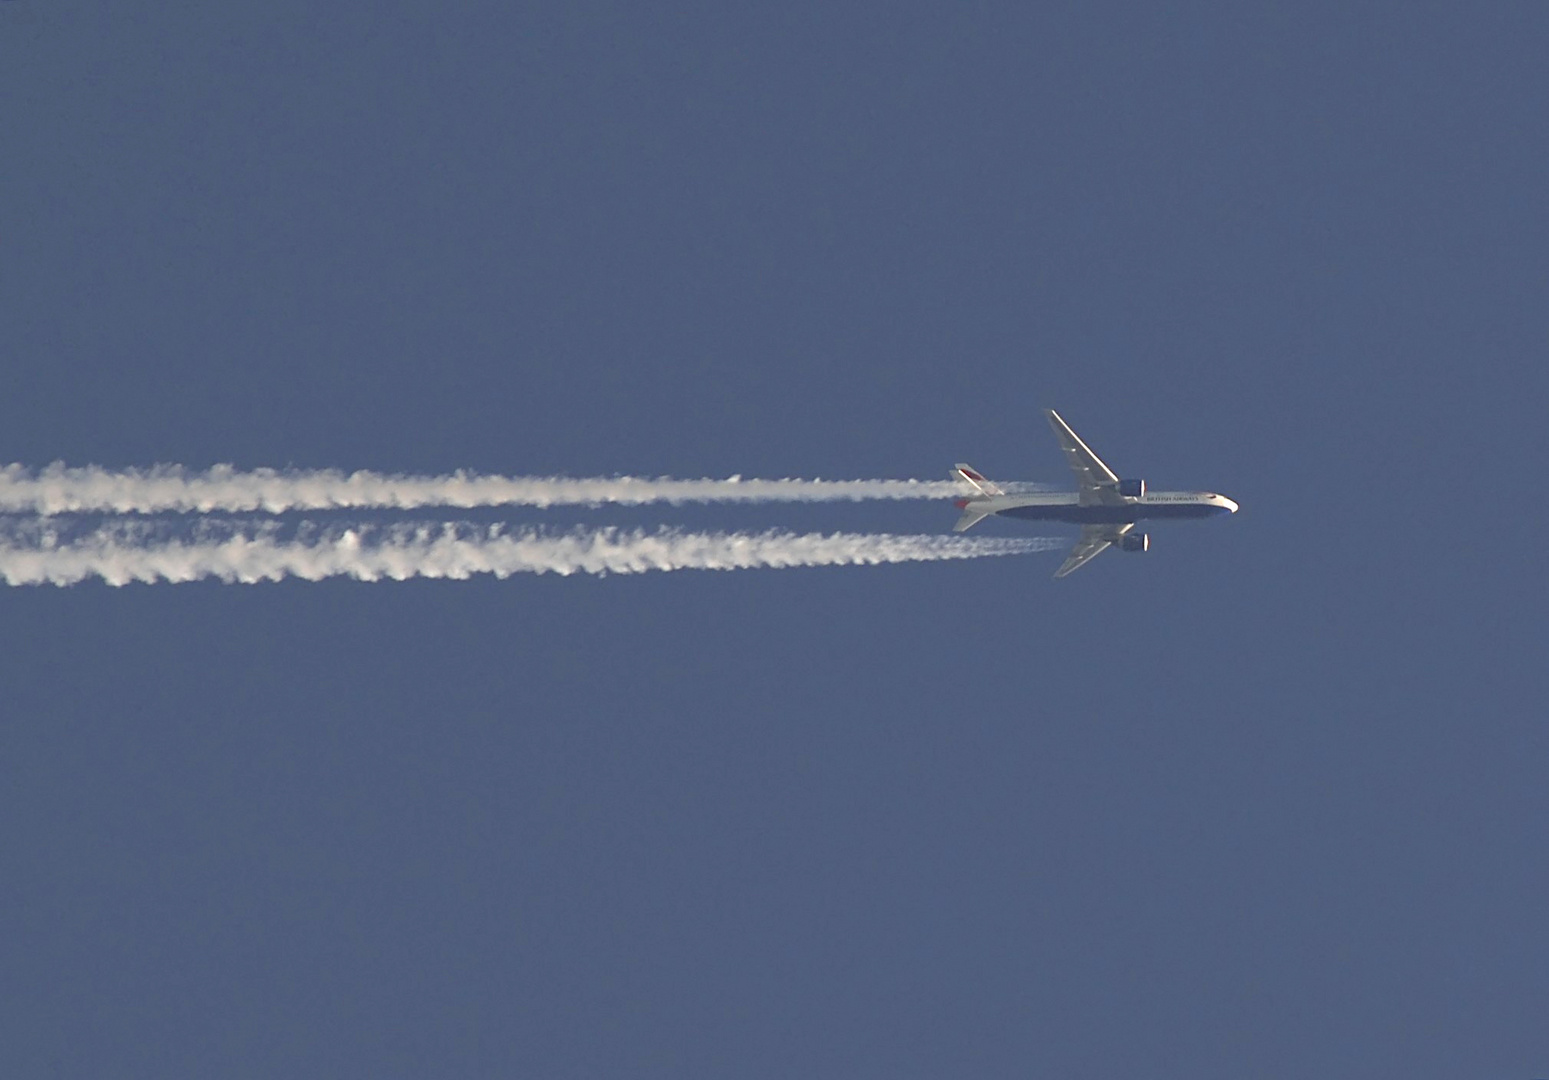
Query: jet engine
(1135, 542)
(1132, 489)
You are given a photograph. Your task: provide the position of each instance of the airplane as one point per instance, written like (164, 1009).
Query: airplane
(1105, 506)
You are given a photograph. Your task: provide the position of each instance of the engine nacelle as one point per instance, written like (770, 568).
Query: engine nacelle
(1135, 542)
(1132, 489)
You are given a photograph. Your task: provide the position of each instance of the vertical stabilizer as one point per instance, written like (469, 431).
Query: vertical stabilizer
(973, 477)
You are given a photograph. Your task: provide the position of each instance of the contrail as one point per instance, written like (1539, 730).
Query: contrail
(123, 554)
(58, 489)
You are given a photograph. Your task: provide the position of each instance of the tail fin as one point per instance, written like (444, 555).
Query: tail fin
(970, 475)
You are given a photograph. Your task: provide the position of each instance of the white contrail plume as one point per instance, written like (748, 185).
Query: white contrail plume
(224, 489)
(120, 555)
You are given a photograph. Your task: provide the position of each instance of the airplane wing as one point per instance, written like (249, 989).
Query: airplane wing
(1098, 483)
(1095, 539)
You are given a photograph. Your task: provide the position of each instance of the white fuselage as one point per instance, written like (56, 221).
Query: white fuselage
(1069, 506)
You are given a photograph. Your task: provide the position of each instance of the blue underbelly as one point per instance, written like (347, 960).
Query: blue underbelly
(1111, 515)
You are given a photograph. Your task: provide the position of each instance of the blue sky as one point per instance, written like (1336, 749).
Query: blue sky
(1269, 800)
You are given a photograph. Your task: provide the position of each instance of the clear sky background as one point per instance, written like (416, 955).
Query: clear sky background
(1268, 801)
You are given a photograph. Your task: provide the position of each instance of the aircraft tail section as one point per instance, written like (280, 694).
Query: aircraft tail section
(969, 475)
(971, 516)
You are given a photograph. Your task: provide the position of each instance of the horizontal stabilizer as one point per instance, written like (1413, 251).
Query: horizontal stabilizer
(970, 518)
